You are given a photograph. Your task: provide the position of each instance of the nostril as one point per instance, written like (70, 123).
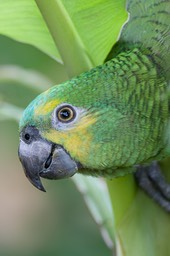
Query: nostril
(27, 136)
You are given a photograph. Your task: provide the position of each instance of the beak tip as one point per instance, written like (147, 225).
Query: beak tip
(41, 188)
(36, 182)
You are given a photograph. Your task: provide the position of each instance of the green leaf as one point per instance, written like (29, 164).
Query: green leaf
(71, 48)
(122, 189)
(142, 226)
(22, 21)
(18, 86)
(145, 230)
(83, 30)
(9, 112)
(99, 206)
(98, 24)
(30, 78)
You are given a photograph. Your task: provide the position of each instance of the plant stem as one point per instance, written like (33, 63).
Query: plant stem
(66, 38)
(122, 192)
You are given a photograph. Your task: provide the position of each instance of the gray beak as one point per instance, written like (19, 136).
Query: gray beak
(41, 158)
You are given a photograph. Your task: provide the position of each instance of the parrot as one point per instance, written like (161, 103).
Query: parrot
(113, 119)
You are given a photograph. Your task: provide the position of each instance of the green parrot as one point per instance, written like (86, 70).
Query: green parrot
(113, 119)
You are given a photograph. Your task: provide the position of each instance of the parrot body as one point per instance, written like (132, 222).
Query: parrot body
(113, 117)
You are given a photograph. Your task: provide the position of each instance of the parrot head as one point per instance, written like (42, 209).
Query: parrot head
(76, 126)
(66, 130)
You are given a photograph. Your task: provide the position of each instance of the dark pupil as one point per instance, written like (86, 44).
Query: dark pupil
(65, 114)
(27, 136)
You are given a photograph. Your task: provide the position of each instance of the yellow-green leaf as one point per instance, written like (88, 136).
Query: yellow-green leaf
(22, 21)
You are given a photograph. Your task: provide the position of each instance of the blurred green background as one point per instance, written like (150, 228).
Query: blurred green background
(32, 222)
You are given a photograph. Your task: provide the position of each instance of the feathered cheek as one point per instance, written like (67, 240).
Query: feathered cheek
(76, 143)
(77, 140)
(79, 146)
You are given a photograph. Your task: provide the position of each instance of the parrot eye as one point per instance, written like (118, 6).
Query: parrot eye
(66, 114)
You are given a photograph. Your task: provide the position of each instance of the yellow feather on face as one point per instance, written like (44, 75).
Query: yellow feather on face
(76, 140)
(47, 107)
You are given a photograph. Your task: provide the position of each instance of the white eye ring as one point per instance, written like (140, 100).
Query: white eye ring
(65, 116)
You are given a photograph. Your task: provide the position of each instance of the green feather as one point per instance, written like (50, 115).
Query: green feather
(148, 28)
